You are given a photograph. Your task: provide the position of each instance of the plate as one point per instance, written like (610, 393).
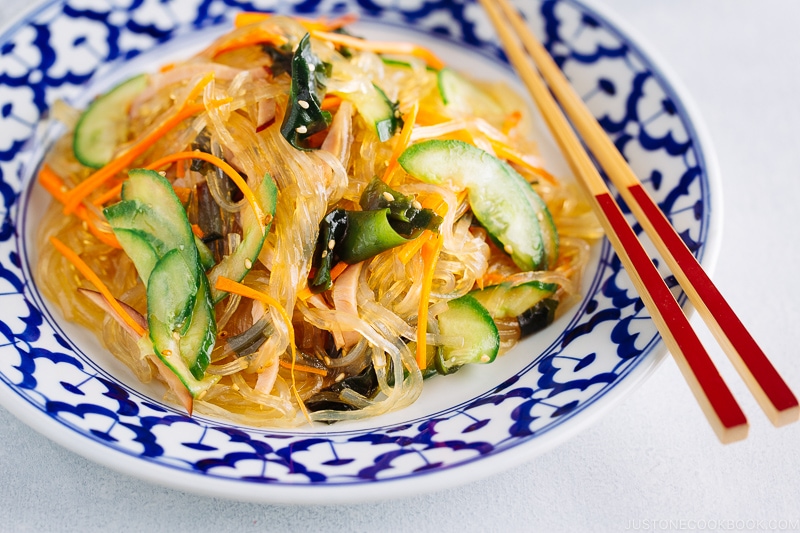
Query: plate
(56, 378)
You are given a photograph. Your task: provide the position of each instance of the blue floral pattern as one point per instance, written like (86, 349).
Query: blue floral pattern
(56, 50)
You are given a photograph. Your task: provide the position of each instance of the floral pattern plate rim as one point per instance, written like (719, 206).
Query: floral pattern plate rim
(463, 427)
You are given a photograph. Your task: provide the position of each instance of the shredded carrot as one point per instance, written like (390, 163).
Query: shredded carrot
(381, 47)
(430, 253)
(199, 87)
(504, 151)
(227, 169)
(259, 36)
(183, 193)
(304, 368)
(83, 189)
(180, 170)
(323, 23)
(199, 233)
(53, 184)
(109, 195)
(245, 18)
(410, 250)
(331, 102)
(234, 287)
(511, 121)
(429, 117)
(89, 274)
(337, 269)
(435, 203)
(402, 142)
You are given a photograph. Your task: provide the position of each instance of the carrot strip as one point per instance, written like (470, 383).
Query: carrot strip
(430, 254)
(511, 121)
(259, 36)
(52, 183)
(83, 189)
(410, 250)
(89, 274)
(323, 23)
(304, 368)
(227, 169)
(234, 287)
(183, 194)
(337, 269)
(381, 47)
(199, 87)
(331, 102)
(180, 170)
(504, 151)
(199, 233)
(110, 194)
(402, 143)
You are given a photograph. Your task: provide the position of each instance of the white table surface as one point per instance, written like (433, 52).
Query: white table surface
(651, 463)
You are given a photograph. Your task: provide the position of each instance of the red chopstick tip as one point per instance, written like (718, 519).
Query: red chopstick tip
(732, 434)
(785, 416)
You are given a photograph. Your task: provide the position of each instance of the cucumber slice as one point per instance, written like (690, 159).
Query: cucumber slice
(180, 321)
(153, 229)
(204, 253)
(133, 215)
(101, 128)
(377, 110)
(171, 292)
(172, 225)
(198, 341)
(507, 300)
(461, 95)
(500, 198)
(467, 318)
(236, 265)
(141, 248)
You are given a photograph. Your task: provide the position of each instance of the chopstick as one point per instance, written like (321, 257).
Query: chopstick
(765, 383)
(714, 397)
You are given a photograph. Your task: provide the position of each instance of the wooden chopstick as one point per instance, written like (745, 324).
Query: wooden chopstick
(712, 394)
(765, 383)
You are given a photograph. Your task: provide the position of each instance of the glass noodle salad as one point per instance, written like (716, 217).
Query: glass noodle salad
(299, 224)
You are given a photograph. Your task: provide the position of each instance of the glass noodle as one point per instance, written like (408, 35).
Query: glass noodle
(243, 97)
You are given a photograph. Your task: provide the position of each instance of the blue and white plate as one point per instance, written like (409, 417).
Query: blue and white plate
(57, 378)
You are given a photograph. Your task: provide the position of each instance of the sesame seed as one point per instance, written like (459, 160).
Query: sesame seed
(331, 244)
(327, 360)
(163, 173)
(416, 205)
(301, 129)
(324, 254)
(485, 358)
(202, 394)
(397, 114)
(176, 335)
(303, 104)
(312, 67)
(388, 196)
(64, 188)
(508, 249)
(248, 264)
(235, 386)
(166, 353)
(340, 377)
(181, 247)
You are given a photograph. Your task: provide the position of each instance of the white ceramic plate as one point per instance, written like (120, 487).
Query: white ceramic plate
(57, 378)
